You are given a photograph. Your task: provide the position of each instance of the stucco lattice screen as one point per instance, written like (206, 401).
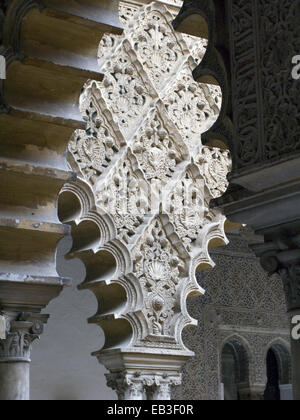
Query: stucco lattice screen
(140, 209)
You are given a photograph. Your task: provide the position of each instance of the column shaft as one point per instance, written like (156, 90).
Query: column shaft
(14, 381)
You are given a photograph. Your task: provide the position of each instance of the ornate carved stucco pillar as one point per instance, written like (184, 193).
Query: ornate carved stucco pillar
(143, 225)
(50, 50)
(143, 386)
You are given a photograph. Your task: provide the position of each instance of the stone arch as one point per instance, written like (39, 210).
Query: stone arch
(237, 352)
(281, 350)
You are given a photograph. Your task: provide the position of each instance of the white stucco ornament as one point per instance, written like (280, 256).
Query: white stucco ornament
(145, 184)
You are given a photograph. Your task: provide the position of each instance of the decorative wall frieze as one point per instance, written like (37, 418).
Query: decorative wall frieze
(279, 34)
(99, 144)
(262, 39)
(160, 50)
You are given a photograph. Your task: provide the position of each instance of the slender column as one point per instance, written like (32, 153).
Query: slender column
(283, 257)
(20, 332)
(290, 275)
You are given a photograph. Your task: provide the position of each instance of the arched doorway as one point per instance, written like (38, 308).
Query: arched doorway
(278, 363)
(235, 370)
(272, 392)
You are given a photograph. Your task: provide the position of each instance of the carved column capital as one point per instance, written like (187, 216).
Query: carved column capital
(20, 332)
(281, 255)
(142, 385)
(161, 388)
(291, 282)
(127, 386)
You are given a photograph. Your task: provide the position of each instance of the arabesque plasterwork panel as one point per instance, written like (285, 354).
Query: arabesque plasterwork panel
(146, 181)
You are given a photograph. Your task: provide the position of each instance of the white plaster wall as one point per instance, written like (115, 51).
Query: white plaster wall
(62, 367)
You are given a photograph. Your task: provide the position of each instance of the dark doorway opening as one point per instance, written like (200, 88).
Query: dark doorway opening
(272, 392)
(235, 370)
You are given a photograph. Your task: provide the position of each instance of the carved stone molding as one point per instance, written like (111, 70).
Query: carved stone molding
(263, 38)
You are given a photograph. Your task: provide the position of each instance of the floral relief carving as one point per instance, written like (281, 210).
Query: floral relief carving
(159, 269)
(107, 47)
(189, 210)
(95, 147)
(160, 50)
(125, 197)
(159, 147)
(127, 94)
(215, 165)
(190, 106)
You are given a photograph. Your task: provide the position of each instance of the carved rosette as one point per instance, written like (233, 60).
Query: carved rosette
(143, 223)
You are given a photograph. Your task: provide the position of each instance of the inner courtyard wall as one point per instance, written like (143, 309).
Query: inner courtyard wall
(240, 301)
